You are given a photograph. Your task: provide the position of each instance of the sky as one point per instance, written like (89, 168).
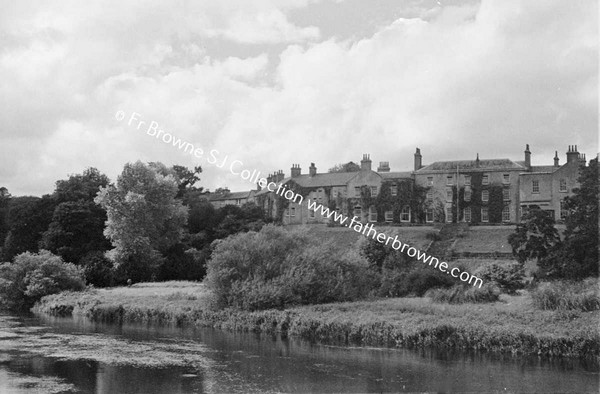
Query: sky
(271, 83)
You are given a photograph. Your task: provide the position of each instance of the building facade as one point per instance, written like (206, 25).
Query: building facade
(472, 191)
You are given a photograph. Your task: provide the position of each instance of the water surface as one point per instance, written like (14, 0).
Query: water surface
(44, 354)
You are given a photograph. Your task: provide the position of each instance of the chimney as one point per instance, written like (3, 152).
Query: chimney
(572, 154)
(365, 163)
(477, 160)
(270, 178)
(384, 166)
(279, 176)
(418, 159)
(312, 170)
(527, 157)
(296, 170)
(556, 158)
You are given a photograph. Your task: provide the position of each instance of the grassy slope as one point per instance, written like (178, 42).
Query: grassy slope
(509, 326)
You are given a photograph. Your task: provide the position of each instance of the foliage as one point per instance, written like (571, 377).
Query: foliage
(577, 256)
(182, 263)
(144, 218)
(534, 237)
(98, 269)
(28, 218)
(565, 295)
(400, 275)
(509, 277)
(461, 294)
(274, 268)
(34, 275)
(345, 167)
(4, 205)
(76, 229)
(80, 187)
(186, 179)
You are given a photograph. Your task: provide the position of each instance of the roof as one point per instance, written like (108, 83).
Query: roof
(544, 168)
(395, 175)
(484, 165)
(318, 180)
(230, 196)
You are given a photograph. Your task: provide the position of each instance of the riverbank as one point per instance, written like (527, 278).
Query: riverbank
(510, 326)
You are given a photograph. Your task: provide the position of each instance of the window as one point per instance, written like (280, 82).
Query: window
(405, 214)
(449, 195)
(535, 186)
(394, 190)
(449, 214)
(467, 214)
(358, 211)
(287, 212)
(311, 214)
(484, 214)
(389, 216)
(506, 194)
(372, 214)
(449, 180)
(485, 179)
(429, 181)
(506, 214)
(430, 195)
(373, 190)
(506, 178)
(467, 180)
(563, 210)
(468, 195)
(293, 214)
(357, 191)
(563, 185)
(429, 215)
(485, 195)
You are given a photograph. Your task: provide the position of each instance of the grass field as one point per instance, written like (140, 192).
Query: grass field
(512, 325)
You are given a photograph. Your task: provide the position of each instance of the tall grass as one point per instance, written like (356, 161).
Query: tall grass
(564, 295)
(460, 294)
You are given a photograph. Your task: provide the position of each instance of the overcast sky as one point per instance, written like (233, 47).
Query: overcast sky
(274, 82)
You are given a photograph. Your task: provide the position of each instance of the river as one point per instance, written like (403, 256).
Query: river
(73, 355)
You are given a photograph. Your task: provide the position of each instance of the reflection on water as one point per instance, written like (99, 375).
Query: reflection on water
(75, 355)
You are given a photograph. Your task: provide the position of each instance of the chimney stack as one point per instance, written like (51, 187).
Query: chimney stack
(279, 176)
(477, 161)
(418, 159)
(296, 170)
(384, 166)
(365, 163)
(312, 170)
(527, 157)
(556, 158)
(572, 154)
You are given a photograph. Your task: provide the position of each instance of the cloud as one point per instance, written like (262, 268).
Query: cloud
(486, 77)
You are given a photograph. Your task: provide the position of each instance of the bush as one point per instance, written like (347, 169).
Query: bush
(34, 275)
(276, 268)
(461, 294)
(508, 277)
(98, 269)
(564, 295)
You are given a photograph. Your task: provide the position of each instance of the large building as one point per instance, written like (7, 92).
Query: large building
(473, 191)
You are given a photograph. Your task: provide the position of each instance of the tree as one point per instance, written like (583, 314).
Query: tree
(4, 204)
(77, 222)
(80, 187)
(144, 218)
(534, 237)
(34, 275)
(186, 179)
(577, 256)
(28, 218)
(347, 167)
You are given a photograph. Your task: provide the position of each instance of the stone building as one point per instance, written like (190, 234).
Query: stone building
(472, 191)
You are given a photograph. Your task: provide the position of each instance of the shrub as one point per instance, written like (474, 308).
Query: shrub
(564, 295)
(276, 268)
(34, 275)
(508, 277)
(460, 294)
(98, 269)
